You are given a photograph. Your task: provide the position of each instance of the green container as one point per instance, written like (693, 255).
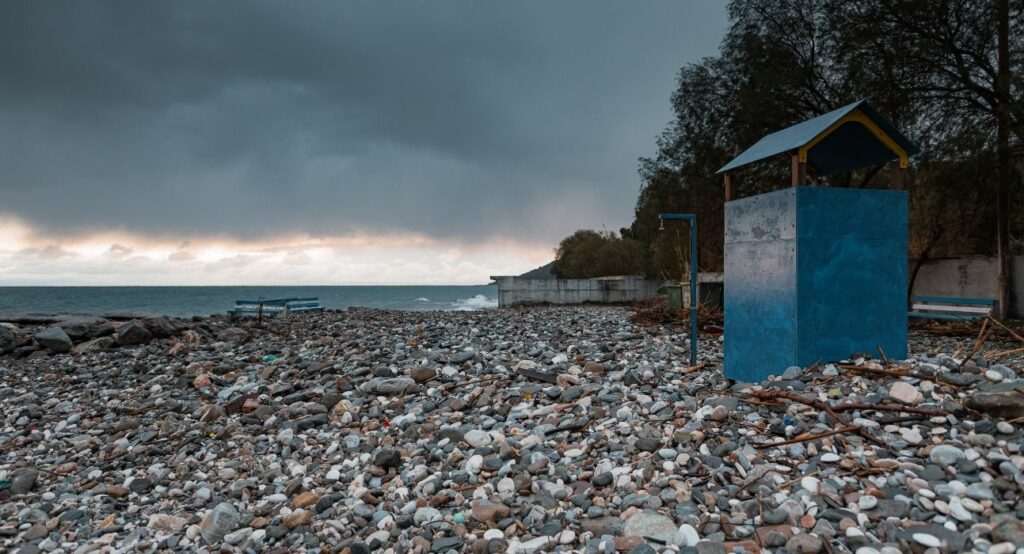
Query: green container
(673, 293)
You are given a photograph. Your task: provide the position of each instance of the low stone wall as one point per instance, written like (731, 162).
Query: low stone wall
(513, 291)
(970, 277)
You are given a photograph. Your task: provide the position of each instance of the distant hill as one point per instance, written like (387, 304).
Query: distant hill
(542, 272)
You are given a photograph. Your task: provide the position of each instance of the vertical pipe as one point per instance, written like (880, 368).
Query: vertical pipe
(693, 290)
(694, 318)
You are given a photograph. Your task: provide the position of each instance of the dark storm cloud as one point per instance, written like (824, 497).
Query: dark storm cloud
(452, 119)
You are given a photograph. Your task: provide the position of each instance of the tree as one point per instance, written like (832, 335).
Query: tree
(929, 66)
(586, 254)
(965, 62)
(948, 73)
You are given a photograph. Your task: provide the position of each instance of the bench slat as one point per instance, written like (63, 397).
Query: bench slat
(934, 315)
(951, 300)
(958, 309)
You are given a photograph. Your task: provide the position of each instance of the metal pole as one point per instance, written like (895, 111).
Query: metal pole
(694, 316)
(693, 291)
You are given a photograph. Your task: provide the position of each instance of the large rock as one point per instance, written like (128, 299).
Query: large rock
(165, 327)
(650, 525)
(98, 343)
(232, 334)
(1009, 531)
(55, 339)
(1001, 400)
(955, 541)
(422, 374)
(166, 522)
(607, 525)
(946, 454)
(24, 481)
(396, 385)
(86, 328)
(904, 392)
(8, 340)
(487, 511)
(387, 458)
(221, 520)
(133, 333)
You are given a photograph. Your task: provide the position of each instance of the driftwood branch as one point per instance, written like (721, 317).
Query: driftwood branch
(891, 408)
(983, 336)
(832, 411)
(894, 372)
(774, 394)
(1004, 353)
(833, 417)
(1005, 328)
(805, 437)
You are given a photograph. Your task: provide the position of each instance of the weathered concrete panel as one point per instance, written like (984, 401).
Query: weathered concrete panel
(760, 307)
(760, 285)
(761, 218)
(517, 292)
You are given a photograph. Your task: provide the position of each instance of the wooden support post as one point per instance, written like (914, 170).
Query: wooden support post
(897, 176)
(799, 170)
(730, 186)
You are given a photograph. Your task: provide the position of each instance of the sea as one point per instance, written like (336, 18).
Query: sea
(189, 301)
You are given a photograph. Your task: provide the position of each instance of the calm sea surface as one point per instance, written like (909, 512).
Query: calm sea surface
(186, 301)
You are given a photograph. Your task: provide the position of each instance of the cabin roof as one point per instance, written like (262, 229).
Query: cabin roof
(853, 136)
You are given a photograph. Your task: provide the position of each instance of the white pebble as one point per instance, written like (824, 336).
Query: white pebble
(687, 535)
(931, 541)
(867, 502)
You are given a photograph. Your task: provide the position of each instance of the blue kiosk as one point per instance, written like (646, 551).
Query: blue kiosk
(817, 273)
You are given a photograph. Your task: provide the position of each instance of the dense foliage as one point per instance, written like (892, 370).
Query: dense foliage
(586, 254)
(929, 66)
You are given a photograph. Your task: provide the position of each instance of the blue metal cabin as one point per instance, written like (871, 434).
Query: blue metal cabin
(817, 273)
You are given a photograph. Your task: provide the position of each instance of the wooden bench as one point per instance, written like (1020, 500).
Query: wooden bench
(944, 307)
(276, 306)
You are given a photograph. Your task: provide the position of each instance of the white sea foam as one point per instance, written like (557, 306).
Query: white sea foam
(421, 299)
(478, 302)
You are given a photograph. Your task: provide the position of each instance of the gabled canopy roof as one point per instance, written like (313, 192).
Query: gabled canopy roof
(853, 136)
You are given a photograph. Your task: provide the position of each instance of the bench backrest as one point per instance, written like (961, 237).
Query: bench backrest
(959, 308)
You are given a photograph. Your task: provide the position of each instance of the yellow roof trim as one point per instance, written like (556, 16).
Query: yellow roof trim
(857, 116)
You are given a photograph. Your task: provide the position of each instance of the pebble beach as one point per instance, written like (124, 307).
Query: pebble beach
(552, 429)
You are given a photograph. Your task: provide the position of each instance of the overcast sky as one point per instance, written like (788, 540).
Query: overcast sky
(183, 134)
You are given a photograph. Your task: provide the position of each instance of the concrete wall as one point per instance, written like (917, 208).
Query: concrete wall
(970, 277)
(513, 291)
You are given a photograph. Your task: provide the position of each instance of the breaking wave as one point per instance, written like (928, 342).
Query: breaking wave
(422, 299)
(478, 302)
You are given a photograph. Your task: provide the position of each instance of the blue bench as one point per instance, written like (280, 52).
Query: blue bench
(945, 307)
(275, 306)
